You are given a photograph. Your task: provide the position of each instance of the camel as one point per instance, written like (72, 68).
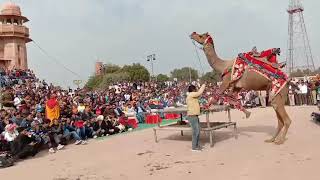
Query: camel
(250, 80)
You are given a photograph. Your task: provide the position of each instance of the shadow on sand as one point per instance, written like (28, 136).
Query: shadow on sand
(269, 130)
(204, 137)
(220, 136)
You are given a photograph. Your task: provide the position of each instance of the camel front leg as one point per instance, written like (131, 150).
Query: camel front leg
(279, 128)
(220, 92)
(286, 123)
(224, 86)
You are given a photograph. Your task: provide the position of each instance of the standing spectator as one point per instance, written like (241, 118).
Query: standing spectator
(312, 93)
(193, 113)
(291, 96)
(304, 92)
(263, 97)
(52, 108)
(56, 133)
(299, 94)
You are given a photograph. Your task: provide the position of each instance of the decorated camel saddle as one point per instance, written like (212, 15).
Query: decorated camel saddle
(264, 63)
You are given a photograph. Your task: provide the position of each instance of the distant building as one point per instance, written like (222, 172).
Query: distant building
(13, 38)
(99, 68)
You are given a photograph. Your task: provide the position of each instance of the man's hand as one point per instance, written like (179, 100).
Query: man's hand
(32, 143)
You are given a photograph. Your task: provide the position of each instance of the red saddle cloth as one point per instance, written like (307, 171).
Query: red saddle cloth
(246, 61)
(269, 53)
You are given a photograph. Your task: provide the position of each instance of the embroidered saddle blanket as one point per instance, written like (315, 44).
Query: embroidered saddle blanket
(246, 61)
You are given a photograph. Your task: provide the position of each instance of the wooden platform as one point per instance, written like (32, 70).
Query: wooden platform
(206, 127)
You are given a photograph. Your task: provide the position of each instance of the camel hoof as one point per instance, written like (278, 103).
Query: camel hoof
(269, 140)
(279, 142)
(248, 114)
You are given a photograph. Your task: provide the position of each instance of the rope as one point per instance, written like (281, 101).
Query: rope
(55, 59)
(198, 56)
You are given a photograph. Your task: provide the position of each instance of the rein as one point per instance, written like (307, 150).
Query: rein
(198, 55)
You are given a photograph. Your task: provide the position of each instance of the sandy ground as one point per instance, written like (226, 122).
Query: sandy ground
(137, 156)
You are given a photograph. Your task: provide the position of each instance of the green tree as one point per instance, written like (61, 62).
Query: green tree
(94, 81)
(211, 77)
(111, 68)
(137, 72)
(183, 74)
(111, 78)
(304, 72)
(162, 78)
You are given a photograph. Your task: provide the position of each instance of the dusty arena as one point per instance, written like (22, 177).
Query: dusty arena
(136, 156)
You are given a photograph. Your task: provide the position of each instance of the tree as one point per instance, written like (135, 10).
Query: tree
(111, 78)
(305, 72)
(211, 77)
(111, 68)
(94, 81)
(183, 74)
(162, 78)
(137, 72)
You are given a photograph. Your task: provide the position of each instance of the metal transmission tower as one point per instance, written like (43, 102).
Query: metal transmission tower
(299, 54)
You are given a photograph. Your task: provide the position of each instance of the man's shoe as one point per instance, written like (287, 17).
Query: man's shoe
(282, 64)
(51, 151)
(196, 150)
(60, 146)
(78, 142)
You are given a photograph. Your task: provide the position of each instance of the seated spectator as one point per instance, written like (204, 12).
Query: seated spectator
(80, 128)
(26, 123)
(100, 127)
(10, 133)
(70, 131)
(40, 134)
(140, 112)
(7, 99)
(24, 146)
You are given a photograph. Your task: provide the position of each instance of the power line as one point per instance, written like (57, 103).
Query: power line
(55, 59)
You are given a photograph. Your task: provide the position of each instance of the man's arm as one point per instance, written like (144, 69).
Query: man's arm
(199, 93)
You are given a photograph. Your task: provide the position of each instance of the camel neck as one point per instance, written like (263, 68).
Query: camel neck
(215, 62)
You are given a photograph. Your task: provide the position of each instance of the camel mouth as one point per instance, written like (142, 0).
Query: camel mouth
(192, 34)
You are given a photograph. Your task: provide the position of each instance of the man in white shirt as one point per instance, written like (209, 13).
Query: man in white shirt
(304, 92)
(291, 96)
(17, 101)
(127, 97)
(299, 94)
(262, 97)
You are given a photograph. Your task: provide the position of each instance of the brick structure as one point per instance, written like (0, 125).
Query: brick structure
(99, 68)
(13, 38)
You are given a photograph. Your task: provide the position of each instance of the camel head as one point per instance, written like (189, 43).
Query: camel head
(202, 39)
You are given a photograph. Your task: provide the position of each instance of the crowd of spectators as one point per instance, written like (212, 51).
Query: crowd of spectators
(25, 127)
(304, 92)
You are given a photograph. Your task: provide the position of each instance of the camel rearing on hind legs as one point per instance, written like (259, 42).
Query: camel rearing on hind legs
(250, 80)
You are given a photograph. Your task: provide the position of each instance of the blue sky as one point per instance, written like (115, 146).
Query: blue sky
(78, 32)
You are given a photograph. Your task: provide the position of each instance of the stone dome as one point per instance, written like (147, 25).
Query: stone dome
(10, 8)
